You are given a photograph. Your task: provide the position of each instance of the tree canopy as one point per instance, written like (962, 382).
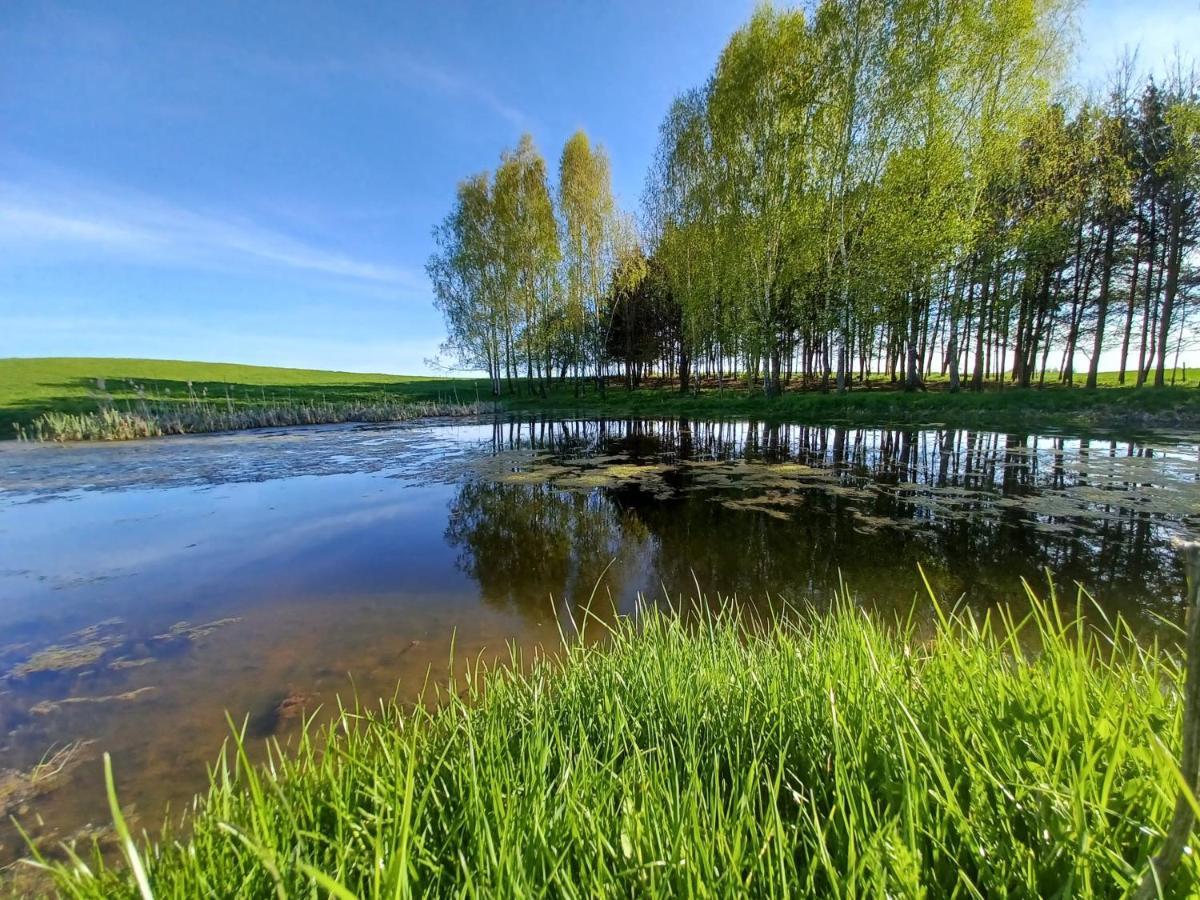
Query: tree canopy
(860, 188)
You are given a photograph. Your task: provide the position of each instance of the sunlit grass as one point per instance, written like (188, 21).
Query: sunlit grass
(881, 403)
(143, 419)
(83, 387)
(30, 388)
(824, 756)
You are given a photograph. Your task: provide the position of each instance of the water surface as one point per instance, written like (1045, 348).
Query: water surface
(148, 588)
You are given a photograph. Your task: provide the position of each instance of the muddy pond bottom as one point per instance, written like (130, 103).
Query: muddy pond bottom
(149, 589)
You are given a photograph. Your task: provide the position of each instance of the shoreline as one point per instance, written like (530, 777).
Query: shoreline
(821, 734)
(108, 399)
(1090, 419)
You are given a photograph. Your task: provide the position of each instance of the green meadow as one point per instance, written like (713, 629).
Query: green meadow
(69, 386)
(41, 387)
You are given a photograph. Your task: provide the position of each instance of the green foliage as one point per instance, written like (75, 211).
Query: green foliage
(529, 248)
(859, 186)
(471, 278)
(591, 246)
(824, 756)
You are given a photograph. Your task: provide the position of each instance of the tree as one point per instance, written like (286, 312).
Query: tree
(1180, 169)
(527, 238)
(588, 224)
(646, 320)
(468, 282)
(681, 215)
(759, 106)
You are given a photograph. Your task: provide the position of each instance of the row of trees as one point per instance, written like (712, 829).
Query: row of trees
(871, 186)
(521, 279)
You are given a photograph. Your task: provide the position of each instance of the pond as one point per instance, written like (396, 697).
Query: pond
(148, 588)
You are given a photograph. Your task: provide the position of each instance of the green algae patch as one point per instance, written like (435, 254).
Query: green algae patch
(60, 658)
(579, 474)
(81, 650)
(646, 477)
(109, 644)
(188, 632)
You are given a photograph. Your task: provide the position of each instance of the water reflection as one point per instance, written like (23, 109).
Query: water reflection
(761, 510)
(525, 544)
(148, 588)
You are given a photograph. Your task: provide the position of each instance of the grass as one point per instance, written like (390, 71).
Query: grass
(823, 756)
(52, 390)
(879, 402)
(84, 398)
(143, 419)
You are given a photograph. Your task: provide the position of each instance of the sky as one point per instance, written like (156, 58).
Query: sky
(258, 182)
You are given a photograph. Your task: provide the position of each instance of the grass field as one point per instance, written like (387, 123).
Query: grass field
(1054, 406)
(33, 387)
(817, 756)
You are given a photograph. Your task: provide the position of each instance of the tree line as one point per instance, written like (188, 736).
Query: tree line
(861, 188)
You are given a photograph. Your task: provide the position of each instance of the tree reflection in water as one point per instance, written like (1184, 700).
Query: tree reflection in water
(527, 545)
(978, 510)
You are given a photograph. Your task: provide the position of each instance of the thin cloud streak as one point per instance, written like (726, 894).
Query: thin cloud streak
(392, 64)
(133, 227)
(405, 68)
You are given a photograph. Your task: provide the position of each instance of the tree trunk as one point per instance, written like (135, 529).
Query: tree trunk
(1102, 304)
(1023, 314)
(1174, 258)
(1133, 285)
(982, 320)
(771, 375)
(913, 369)
(1141, 376)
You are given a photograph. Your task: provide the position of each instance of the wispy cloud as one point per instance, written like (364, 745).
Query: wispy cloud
(57, 216)
(403, 67)
(390, 64)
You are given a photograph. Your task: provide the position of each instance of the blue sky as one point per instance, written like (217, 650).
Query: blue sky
(257, 182)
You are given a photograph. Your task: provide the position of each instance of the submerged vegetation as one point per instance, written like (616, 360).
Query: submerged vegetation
(814, 756)
(108, 644)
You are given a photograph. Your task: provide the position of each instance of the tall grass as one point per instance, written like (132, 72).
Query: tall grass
(154, 419)
(1056, 406)
(815, 756)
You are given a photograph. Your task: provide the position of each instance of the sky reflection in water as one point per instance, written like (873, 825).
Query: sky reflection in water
(147, 588)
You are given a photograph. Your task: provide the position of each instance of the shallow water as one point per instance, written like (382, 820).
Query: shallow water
(148, 588)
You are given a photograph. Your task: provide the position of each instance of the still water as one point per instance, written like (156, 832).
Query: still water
(148, 588)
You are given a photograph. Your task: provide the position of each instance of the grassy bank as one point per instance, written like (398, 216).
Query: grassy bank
(823, 757)
(82, 398)
(144, 419)
(1054, 406)
(183, 396)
